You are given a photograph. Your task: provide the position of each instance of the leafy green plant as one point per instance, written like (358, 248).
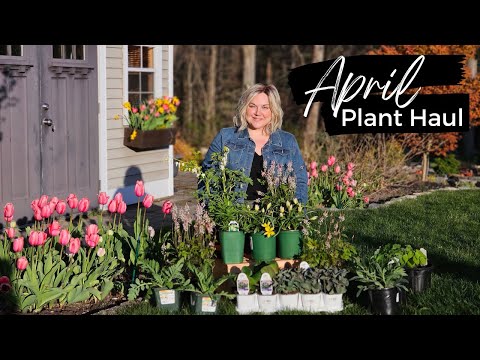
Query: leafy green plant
(219, 189)
(309, 281)
(334, 280)
(205, 283)
(379, 272)
(326, 243)
(407, 255)
(287, 281)
(170, 277)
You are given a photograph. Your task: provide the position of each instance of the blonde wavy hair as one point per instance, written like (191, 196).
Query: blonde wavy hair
(274, 101)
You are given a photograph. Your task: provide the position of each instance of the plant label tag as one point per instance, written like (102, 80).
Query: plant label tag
(266, 284)
(242, 284)
(208, 305)
(304, 265)
(424, 252)
(233, 226)
(167, 297)
(398, 297)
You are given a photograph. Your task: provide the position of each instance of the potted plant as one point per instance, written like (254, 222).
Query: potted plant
(287, 286)
(310, 287)
(166, 282)
(334, 284)
(246, 296)
(205, 295)
(219, 192)
(417, 265)
(261, 222)
(150, 125)
(383, 278)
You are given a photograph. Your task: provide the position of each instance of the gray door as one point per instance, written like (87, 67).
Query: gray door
(48, 125)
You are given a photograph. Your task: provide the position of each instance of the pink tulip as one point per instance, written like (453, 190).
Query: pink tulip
(10, 232)
(314, 173)
(53, 203)
(337, 169)
(42, 201)
(313, 165)
(64, 237)
(61, 207)
(83, 204)
(345, 180)
(38, 214)
(139, 188)
(92, 240)
(308, 174)
(112, 206)
(18, 244)
(5, 285)
(54, 228)
(34, 205)
(8, 212)
(134, 110)
(167, 207)
(366, 199)
(42, 238)
(4, 280)
(122, 207)
(102, 198)
(92, 229)
(148, 201)
(46, 212)
(331, 161)
(72, 201)
(74, 245)
(33, 238)
(308, 181)
(324, 168)
(22, 263)
(349, 173)
(338, 187)
(118, 198)
(353, 182)
(350, 166)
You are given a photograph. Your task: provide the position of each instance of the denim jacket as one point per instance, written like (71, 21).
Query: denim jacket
(281, 147)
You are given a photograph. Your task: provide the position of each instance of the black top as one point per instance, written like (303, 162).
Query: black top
(255, 174)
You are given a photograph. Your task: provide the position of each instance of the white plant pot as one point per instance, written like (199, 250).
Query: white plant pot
(312, 302)
(247, 304)
(289, 301)
(333, 303)
(267, 303)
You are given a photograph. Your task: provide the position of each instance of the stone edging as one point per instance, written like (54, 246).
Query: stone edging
(414, 196)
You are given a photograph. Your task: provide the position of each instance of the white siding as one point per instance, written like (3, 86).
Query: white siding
(125, 166)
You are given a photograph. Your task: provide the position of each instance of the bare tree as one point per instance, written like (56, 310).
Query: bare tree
(210, 124)
(311, 126)
(248, 65)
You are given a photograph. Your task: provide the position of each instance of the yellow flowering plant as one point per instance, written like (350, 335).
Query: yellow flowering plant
(153, 114)
(258, 219)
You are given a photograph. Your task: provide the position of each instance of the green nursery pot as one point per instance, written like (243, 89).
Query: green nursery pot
(232, 245)
(289, 243)
(264, 248)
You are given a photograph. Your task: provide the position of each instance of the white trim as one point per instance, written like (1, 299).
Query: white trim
(159, 189)
(102, 116)
(170, 70)
(171, 161)
(125, 83)
(157, 67)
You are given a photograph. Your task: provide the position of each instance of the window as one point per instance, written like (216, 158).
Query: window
(11, 50)
(69, 52)
(141, 74)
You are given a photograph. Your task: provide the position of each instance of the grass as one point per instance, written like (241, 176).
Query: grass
(446, 223)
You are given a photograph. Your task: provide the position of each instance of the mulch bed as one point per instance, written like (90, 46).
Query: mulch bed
(395, 191)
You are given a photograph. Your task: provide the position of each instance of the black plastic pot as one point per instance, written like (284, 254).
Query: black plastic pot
(419, 278)
(385, 301)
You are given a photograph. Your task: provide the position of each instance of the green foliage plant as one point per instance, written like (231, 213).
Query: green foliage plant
(334, 280)
(287, 281)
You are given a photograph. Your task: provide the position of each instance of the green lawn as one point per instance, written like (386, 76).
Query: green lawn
(446, 223)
